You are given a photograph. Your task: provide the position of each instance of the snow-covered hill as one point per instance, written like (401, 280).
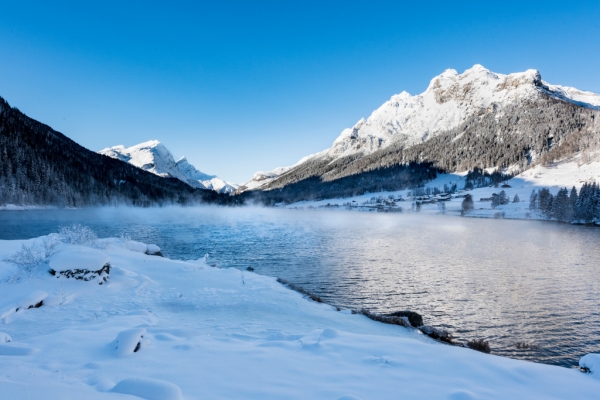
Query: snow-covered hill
(154, 157)
(477, 118)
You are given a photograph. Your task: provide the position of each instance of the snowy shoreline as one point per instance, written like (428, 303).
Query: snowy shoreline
(203, 332)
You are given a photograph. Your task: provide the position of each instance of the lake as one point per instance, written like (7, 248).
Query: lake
(505, 281)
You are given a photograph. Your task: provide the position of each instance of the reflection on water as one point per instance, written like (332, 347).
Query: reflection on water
(504, 281)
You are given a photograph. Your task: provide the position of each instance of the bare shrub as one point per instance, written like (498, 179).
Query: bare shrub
(479, 345)
(28, 258)
(78, 234)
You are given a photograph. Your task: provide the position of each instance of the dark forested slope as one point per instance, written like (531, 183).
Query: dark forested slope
(39, 166)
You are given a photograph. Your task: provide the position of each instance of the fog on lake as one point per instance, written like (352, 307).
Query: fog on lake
(513, 283)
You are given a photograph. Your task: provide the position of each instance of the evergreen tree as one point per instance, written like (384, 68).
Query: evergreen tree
(516, 199)
(467, 205)
(534, 201)
(545, 202)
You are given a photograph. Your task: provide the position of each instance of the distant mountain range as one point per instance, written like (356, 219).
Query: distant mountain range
(154, 157)
(477, 119)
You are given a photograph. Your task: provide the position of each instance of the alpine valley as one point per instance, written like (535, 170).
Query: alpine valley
(466, 130)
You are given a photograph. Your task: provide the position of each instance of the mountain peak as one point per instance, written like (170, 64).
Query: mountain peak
(154, 157)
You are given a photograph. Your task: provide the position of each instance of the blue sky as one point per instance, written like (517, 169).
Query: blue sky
(239, 87)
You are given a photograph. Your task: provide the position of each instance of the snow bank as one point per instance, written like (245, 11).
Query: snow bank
(136, 246)
(151, 389)
(223, 335)
(4, 337)
(16, 350)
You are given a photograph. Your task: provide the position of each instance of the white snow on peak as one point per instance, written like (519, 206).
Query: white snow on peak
(450, 99)
(153, 156)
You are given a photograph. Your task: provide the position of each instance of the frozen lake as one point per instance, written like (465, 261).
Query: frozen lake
(503, 281)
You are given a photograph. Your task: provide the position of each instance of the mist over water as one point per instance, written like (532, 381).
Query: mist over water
(499, 280)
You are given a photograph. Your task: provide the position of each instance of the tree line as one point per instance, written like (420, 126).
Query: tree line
(568, 206)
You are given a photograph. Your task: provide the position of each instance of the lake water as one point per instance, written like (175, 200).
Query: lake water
(499, 280)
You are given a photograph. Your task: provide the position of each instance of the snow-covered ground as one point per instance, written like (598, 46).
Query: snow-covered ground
(554, 177)
(164, 329)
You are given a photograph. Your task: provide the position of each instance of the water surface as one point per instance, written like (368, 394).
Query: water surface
(500, 280)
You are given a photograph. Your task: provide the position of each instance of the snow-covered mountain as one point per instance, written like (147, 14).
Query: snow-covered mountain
(154, 157)
(458, 122)
(450, 99)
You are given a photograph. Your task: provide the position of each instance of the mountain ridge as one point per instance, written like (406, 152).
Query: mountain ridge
(458, 114)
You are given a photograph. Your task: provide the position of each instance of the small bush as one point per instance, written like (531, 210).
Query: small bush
(479, 345)
(31, 256)
(78, 234)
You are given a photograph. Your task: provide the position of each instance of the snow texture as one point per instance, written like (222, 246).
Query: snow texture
(136, 246)
(151, 389)
(227, 334)
(152, 249)
(154, 157)
(16, 350)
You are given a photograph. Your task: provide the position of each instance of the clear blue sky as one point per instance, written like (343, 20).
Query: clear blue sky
(239, 87)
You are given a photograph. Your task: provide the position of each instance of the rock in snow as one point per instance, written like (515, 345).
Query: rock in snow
(154, 157)
(81, 263)
(130, 341)
(591, 362)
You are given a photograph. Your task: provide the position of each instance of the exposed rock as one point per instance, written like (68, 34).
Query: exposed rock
(414, 318)
(81, 263)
